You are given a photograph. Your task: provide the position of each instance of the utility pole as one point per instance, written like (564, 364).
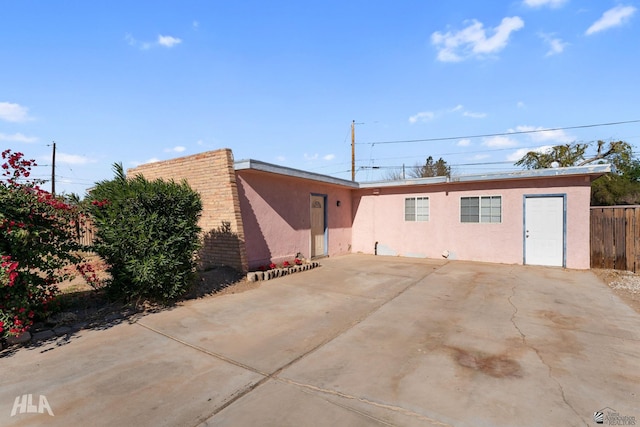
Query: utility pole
(353, 150)
(53, 170)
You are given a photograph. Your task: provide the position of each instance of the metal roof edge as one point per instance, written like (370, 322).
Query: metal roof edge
(599, 169)
(405, 182)
(256, 165)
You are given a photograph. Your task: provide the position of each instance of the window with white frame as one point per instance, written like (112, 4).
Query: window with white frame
(416, 209)
(482, 209)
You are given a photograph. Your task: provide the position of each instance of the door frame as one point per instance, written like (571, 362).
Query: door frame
(326, 227)
(564, 224)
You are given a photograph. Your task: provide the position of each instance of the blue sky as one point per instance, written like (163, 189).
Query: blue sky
(281, 81)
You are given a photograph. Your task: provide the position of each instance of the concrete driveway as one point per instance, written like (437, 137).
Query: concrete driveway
(360, 341)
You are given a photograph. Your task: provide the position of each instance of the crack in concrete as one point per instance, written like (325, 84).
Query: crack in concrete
(346, 407)
(387, 406)
(274, 375)
(204, 350)
(549, 368)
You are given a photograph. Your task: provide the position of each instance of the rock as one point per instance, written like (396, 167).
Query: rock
(43, 335)
(62, 318)
(20, 339)
(62, 330)
(38, 326)
(112, 316)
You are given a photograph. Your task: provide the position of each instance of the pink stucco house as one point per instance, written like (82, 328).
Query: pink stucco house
(538, 217)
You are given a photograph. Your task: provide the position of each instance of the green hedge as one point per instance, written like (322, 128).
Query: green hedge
(148, 234)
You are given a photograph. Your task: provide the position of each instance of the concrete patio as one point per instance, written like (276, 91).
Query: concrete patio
(360, 341)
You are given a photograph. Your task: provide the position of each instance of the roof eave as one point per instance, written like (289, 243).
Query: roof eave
(256, 165)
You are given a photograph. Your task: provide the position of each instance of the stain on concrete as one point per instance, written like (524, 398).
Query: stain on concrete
(566, 322)
(494, 365)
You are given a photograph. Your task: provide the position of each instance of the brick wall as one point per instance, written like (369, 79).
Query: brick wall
(212, 175)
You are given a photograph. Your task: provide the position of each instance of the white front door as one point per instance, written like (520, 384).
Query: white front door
(317, 226)
(544, 222)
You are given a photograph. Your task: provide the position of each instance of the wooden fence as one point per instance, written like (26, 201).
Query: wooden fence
(85, 233)
(615, 237)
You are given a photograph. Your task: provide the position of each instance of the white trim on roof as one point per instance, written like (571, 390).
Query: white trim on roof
(256, 165)
(250, 164)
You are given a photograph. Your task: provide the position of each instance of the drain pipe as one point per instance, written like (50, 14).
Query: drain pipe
(375, 249)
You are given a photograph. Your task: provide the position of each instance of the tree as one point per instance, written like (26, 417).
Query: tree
(622, 186)
(429, 169)
(615, 189)
(618, 153)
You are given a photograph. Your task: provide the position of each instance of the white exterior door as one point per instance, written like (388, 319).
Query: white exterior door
(317, 226)
(544, 223)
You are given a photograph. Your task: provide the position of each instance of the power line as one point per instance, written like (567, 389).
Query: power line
(424, 156)
(501, 134)
(452, 165)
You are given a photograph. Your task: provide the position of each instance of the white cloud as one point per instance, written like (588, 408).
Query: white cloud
(540, 3)
(164, 41)
(176, 149)
(467, 113)
(538, 134)
(499, 142)
(136, 163)
(473, 41)
(168, 41)
(427, 116)
(13, 112)
(17, 137)
(521, 104)
(73, 159)
(130, 40)
(518, 154)
(556, 45)
(311, 156)
(612, 18)
(281, 158)
(480, 157)
(474, 115)
(464, 143)
(195, 25)
(424, 116)
(329, 157)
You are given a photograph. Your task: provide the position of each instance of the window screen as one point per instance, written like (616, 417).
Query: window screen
(484, 209)
(416, 209)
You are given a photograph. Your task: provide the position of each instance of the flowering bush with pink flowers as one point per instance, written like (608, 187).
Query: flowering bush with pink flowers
(285, 264)
(37, 241)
